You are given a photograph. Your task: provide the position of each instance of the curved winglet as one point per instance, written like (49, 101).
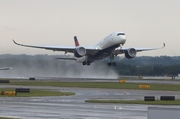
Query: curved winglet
(164, 45)
(16, 43)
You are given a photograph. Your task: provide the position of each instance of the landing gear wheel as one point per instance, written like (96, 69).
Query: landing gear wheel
(109, 63)
(113, 63)
(88, 63)
(84, 63)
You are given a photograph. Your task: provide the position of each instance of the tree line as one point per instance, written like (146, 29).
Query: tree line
(148, 70)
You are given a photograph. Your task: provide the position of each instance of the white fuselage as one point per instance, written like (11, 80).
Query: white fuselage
(110, 40)
(106, 46)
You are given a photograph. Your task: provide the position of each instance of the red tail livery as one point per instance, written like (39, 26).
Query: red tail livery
(76, 41)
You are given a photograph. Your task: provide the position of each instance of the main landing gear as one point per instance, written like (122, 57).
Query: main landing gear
(86, 63)
(111, 63)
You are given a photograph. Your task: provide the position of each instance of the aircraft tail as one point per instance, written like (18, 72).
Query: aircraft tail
(76, 41)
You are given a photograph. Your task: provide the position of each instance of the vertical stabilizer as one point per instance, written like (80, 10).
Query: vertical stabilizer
(76, 41)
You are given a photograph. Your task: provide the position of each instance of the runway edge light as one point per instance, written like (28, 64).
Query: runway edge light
(144, 86)
(122, 81)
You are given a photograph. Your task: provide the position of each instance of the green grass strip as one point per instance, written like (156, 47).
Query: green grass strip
(36, 92)
(156, 102)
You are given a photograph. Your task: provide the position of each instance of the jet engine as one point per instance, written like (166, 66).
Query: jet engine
(81, 59)
(79, 52)
(130, 53)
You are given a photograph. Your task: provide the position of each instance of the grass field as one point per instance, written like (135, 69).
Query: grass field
(35, 92)
(156, 102)
(107, 85)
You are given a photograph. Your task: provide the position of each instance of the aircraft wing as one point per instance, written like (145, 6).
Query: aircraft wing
(90, 50)
(123, 50)
(5, 68)
(53, 48)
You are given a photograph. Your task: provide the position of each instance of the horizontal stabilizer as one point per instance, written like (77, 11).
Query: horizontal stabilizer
(5, 68)
(62, 58)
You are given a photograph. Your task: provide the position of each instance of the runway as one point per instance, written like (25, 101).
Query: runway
(74, 107)
(64, 110)
(159, 80)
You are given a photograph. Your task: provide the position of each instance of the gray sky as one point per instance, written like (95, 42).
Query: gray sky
(147, 23)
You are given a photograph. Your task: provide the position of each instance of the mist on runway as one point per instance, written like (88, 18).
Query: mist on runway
(47, 66)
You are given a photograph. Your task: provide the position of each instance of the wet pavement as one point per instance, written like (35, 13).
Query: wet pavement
(74, 107)
(69, 110)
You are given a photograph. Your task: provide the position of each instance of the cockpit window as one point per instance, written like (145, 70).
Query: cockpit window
(120, 34)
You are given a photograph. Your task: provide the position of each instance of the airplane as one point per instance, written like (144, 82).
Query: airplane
(109, 47)
(5, 68)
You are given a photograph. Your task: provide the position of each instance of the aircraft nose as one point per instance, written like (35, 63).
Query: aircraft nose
(123, 39)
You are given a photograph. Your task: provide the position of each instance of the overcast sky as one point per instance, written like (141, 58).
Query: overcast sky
(146, 23)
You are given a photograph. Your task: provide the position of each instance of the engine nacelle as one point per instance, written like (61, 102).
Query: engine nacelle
(81, 59)
(79, 52)
(130, 53)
